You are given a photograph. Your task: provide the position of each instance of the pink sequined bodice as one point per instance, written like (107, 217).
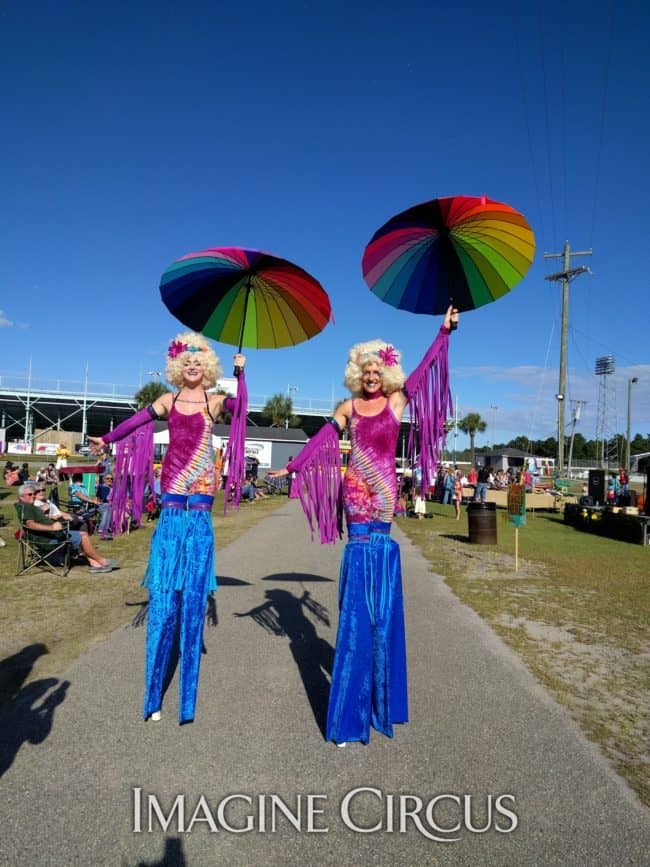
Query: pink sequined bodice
(370, 482)
(188, 467)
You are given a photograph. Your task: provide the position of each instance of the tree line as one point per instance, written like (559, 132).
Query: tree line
(278, 411)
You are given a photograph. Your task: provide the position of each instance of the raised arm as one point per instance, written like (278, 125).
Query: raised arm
(429, 398)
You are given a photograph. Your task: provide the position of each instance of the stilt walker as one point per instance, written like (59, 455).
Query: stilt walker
(180, 573)
(369, 680)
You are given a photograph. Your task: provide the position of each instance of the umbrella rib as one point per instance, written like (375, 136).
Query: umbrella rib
(270, 289)
(405, 260)
(263, 293)
(276, 290)
(487, 239)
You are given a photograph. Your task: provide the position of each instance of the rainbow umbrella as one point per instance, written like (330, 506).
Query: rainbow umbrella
(460, 250)
(245, 298)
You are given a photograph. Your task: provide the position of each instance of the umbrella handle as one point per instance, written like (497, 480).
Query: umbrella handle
(237, 371)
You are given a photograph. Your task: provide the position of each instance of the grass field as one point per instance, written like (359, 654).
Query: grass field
(68, 615)
(577, 612)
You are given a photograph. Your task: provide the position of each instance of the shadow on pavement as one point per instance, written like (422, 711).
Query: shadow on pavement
(295, 576)
(284, 614)
(172, 857)
(26, 712)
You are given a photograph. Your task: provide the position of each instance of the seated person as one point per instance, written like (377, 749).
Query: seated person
(51, 509)
(79, 497)
(41, 525)
(104, 491)
(251, 491)
(52, 476)
(11, 474)
(41, 476)
(248, 490)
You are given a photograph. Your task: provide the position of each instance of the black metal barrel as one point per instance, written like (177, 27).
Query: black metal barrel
(482, 523)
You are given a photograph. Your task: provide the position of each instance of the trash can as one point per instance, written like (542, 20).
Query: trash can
(482, 523)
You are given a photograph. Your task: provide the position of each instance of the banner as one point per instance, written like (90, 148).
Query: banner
(46, 448)
(19, 448)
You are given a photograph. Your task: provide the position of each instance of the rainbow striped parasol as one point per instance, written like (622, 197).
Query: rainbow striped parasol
(461, 250)
(245, 298)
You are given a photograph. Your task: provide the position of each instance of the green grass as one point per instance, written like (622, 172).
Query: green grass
(68, 615)
(577, 612)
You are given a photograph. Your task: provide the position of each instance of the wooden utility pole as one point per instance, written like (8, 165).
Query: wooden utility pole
(565, 275)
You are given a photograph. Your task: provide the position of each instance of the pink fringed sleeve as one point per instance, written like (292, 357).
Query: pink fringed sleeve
(318, 479)
(235, 456)
(429, 396)
(133, 467)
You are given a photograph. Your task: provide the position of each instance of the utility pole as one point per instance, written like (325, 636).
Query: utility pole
(628, 432)
(494, 423)
(565, 275)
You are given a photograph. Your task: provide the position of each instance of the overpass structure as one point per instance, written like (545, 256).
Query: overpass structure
(91, 408)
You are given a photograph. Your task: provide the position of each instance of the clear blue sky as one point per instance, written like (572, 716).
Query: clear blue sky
(137, 132)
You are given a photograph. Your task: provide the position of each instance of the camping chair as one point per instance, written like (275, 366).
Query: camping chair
(37, 551)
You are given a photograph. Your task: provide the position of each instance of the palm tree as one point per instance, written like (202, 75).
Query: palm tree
(149, 392)
(472, 424)
(279, 410)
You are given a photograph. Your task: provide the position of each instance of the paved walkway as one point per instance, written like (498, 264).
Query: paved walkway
(479, 727)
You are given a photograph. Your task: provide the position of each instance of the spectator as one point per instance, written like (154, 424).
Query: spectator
(290, 478)
(255, 465)
(104, 491)
(51, 509)
(23, 473)
(248, 491)
(482, 479)
(472, 476)
(34, 520)
(11, 474)
(458, 493)
(79, 496)
(623, 482)
(62, 455)
(448, 486)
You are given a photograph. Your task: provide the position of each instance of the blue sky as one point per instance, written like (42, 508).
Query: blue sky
(137, 132)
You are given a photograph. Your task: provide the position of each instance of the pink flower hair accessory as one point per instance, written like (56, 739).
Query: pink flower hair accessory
(388, 355)
(176, 347)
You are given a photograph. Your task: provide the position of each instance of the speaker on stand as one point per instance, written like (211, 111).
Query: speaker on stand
(597, 488)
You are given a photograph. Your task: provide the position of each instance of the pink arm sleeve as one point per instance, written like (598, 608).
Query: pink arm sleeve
(127, 427)
(430, 404)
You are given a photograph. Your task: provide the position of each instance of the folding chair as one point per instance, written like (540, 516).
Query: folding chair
(38, 551)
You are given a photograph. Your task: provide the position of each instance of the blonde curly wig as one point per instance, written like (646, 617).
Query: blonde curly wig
(361, 354)
(180, 350)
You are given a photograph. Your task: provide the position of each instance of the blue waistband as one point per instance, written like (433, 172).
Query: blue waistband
(193, 502)
(364, 530)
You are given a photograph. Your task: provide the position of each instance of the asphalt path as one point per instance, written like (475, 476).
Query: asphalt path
(489, 770)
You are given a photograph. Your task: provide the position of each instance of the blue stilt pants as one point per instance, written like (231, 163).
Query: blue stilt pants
(369, 683)
(180, 576)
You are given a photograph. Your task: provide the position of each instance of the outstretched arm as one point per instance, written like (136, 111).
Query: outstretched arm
(429, 398)
(157, 410)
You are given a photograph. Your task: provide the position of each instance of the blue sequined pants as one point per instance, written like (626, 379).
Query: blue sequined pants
(369, 683)
(180, 576)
